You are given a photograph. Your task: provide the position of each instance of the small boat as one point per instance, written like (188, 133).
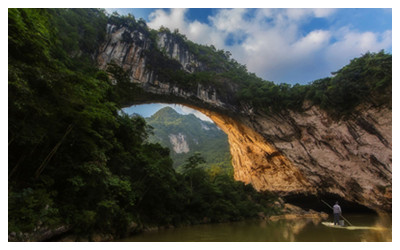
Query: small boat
(331, 224)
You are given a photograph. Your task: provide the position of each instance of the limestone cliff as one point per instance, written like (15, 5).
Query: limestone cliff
(173, 49)
(287, 152)
(179, 143)
(130, 55)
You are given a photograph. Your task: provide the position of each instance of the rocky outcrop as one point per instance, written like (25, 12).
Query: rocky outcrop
(39, 234)
(179, 143)
(127, 49)
(289, 152)
(178, 51)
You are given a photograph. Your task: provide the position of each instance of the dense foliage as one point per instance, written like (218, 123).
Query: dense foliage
(365, 79)
(74, 160)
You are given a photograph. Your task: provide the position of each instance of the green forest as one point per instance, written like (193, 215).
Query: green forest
(75, 161)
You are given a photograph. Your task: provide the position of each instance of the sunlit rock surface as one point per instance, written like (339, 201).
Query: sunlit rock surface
(310, 152)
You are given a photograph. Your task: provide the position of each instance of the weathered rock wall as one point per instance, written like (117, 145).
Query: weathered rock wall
(351, 158)
(309, 153)
(129, 53)
(175, 50)
(257, 161)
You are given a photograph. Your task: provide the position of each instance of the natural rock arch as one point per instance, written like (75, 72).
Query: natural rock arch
(306, 154)
(255, 161)
(287, 152)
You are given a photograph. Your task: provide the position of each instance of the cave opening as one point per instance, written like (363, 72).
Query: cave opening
(315, 202)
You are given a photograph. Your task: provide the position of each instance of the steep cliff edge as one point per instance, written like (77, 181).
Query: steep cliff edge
(287, 152)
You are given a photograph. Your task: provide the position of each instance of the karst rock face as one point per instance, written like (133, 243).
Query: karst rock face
(287, 152)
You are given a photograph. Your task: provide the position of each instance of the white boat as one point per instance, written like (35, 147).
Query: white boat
(331, 224)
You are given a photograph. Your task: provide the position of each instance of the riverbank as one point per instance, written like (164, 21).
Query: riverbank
(61, 233)
(38, 234)
(282, 230)
(289, 212)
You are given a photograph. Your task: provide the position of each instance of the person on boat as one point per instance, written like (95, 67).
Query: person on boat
(337, 211)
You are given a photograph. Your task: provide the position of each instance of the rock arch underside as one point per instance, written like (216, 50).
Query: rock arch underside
(289, 153)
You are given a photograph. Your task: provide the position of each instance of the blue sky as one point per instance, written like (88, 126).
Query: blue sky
(282, 45)
(147, 110)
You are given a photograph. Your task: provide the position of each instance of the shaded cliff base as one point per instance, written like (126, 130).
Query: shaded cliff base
(292, 212)
(314, 202)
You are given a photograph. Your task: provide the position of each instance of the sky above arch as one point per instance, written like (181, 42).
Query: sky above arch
(147, 110)
(288, 45)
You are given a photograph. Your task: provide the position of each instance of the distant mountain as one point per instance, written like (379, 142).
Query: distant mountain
(186, 134)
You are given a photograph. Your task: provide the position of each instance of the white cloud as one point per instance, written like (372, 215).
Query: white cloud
(198, 114)
(186, 111)
(198, 32)
(312, 42)
(323, 12)
(229, 20)
(351, 44)
(273, 43)
(297, 14)
(195, 31)
(173, 20)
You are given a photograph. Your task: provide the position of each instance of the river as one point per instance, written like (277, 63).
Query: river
(296, 230)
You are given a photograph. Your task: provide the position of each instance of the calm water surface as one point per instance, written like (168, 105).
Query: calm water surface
(299, 230)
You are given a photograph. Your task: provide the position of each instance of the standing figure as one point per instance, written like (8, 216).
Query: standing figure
(337, 211)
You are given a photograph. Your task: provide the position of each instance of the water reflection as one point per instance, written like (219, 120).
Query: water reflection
(295, 230)
(295, 227)
(384, 222)
(289, 229)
